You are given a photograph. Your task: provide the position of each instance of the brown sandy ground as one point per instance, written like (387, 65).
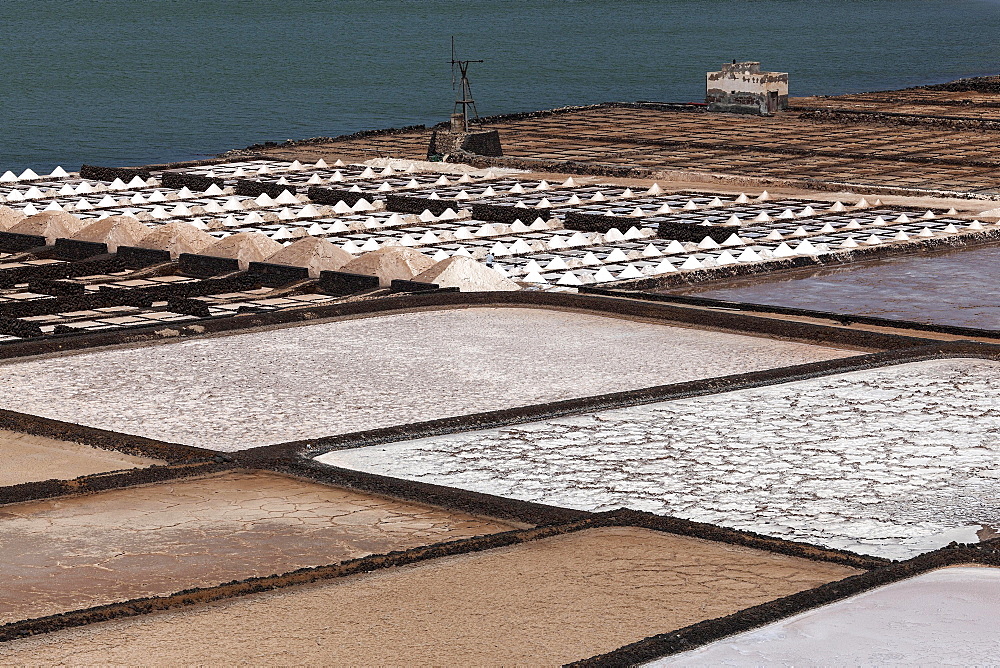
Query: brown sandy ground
(975, 98)
(541, 603)
(69, 553)
(796, 145)
(27, 458)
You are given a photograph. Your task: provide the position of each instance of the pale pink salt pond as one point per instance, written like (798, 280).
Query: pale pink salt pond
(235, 392)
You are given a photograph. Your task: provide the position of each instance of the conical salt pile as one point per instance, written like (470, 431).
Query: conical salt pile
(651, 251)
(177, 237)
(725, 257)
(674, 247)
(556, 264)
(806, 248)
(630, 271)
(313, 253)
(50, 224)
(616, 255)
(115, 231)
(664, 267)
(286, 197)
(467, 275)
(569, 278)
(246, 247)
(9, 218)
(783, 250)
(602, 275)
(390, 263)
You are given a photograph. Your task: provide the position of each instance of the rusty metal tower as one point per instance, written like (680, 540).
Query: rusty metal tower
(463, 96)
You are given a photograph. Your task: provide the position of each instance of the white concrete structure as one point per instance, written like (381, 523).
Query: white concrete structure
(743, 89)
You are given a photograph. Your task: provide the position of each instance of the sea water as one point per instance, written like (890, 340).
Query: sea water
(125, 83)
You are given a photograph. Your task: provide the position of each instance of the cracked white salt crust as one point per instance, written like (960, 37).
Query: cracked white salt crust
(891, 462)
(240, 391)
(941, 618)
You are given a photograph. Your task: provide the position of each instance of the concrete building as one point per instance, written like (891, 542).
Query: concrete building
(742, 88)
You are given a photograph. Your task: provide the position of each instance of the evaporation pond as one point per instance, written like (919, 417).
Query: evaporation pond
(245, 390)
(891, 462)
(954, 288)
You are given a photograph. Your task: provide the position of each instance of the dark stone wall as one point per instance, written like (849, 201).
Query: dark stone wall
(417, 205)
(74, 249)
(256, 188)
(400, 285)
(133, 257)
(503, 213)
(480, 143)
(332, 196)
(273, 275)
(12, 242)
(342, 283)
(695, 233)
(206, 265)
(112, 173)
(191, 181)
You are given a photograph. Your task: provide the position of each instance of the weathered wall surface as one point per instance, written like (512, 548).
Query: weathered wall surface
(481, 143)
(743, 88)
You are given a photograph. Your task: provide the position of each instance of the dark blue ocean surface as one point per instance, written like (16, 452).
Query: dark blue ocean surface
(116, 82)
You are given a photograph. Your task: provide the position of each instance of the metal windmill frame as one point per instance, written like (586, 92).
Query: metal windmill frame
(464, 98)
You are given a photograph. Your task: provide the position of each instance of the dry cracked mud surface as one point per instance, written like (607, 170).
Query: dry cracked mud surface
(891, 462)
(235, 392)
(28, 458)
(542, 603)
(73, 552)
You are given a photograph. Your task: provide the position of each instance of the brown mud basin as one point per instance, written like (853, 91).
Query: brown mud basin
(74, 552)
(28, 458)
(544, 602)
